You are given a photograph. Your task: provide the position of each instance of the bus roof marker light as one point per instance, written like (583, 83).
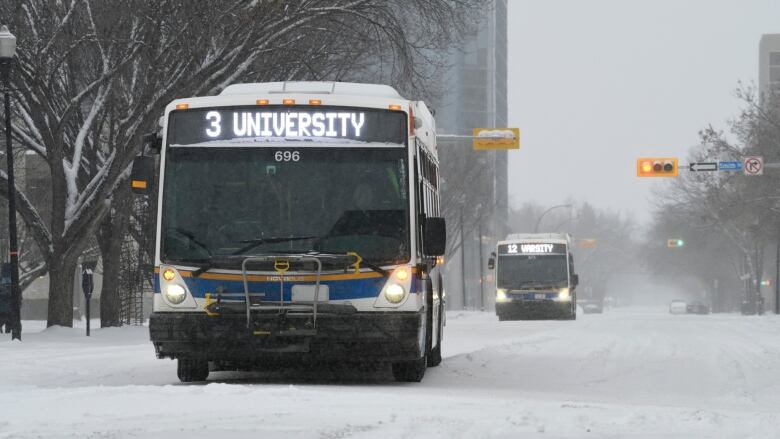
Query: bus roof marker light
(262, 102)
(315, 102)
(288, 101)
(394, 107)
(182, 106)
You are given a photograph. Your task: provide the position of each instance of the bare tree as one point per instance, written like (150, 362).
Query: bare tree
(93, 76)
(732, 208)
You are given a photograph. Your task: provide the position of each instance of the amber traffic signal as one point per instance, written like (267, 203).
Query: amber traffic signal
(656, 167)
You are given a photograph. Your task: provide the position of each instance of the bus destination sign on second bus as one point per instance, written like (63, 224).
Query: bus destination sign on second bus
(531, 248)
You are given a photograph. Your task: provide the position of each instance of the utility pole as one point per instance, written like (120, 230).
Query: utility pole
(481, 272)
(777, 278)
(462, 258)
(7, 53)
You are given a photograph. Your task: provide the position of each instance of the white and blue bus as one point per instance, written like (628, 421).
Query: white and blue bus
(535, 277)
(297, 221)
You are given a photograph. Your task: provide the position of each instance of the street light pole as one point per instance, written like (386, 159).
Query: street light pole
(539, 221)
(7, 53)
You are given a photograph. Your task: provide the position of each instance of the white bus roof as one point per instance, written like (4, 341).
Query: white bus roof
(350, 94)
(313, 87)
(538, 237)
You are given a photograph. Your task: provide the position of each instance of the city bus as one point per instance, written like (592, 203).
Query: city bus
(297, 222)
(535, 277)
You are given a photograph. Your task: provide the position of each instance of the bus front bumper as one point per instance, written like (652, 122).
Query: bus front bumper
(535, 309)
(365, 337)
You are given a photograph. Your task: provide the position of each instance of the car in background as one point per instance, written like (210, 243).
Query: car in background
(678, 307)
(697, 307)
(592, 306)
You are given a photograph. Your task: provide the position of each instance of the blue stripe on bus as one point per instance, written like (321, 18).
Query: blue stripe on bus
(337, 289)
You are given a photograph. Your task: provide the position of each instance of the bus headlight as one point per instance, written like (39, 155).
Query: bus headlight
(501, 295)
(175, 293)
(395, 293)
(173, 290)
(397, 289)
(564, 295)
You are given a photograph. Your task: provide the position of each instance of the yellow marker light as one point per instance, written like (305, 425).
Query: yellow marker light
(168, 274)
(402, 274)
(262, 102)
(182, 106)
(315, 102)
(288, 101)
(138, 184)
(395, 107)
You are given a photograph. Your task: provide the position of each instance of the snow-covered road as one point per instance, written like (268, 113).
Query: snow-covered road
(638, 373)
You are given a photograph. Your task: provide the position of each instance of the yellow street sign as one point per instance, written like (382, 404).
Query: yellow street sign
(496, 138)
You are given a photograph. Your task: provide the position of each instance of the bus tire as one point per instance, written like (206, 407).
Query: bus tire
(191, 370)
(410, 371)
(434, 356)
(573, 307)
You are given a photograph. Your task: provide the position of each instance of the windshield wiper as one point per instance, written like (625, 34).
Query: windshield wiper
(363, 262)
(191, 236)
(207, 261)
(275, 240)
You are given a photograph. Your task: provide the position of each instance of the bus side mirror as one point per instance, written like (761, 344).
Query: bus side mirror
(492, 261)
(141, 174)
(152, 141)
(575, 280)
(434, 236)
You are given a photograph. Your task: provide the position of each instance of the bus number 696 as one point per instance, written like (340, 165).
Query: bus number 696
(287, 156)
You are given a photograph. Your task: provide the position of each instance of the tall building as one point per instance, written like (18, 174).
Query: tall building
(475, 187)
(769, 64)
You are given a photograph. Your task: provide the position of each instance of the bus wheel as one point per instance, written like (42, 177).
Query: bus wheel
(190, 370)
(410, 371)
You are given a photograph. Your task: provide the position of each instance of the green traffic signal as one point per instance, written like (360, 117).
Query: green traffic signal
(674, 243)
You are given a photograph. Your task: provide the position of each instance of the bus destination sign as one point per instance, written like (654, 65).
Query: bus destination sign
(279, 123)
(531, 248)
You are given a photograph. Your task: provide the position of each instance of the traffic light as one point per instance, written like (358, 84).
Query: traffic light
(766, 283)
(656, 167)
(675, 243)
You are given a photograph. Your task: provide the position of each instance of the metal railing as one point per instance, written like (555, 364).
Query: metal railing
(282, 306)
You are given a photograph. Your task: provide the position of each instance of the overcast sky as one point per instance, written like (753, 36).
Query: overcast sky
(594, 84)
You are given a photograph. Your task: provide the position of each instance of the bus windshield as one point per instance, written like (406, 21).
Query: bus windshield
(532, 271)
(222, 201)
